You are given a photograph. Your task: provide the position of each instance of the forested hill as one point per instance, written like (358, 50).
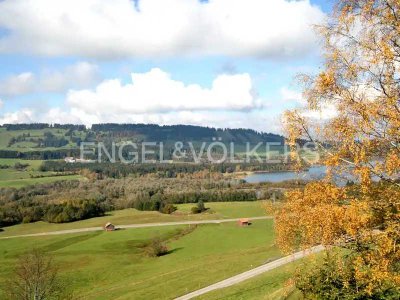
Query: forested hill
(54, 141)
(152, 132)
(187, 133)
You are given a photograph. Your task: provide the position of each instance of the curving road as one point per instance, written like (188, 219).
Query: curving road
(219, 285)
(90, 229)
(252, 273)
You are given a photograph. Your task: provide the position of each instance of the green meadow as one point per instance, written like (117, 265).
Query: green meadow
(113, 265)
(272, 285)
(11, 177)
(21, 182)
(217, 210)
(7, 135)
(33, 164)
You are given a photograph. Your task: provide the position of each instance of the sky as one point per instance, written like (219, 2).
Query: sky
(220, 63)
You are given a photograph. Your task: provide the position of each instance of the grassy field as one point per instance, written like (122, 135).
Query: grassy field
(33, 164)
(272, 285)
(28, 145)
(276, 284)
(112, 265)
(218, 210)
(230, 209)
(18, 183)
(12, 177)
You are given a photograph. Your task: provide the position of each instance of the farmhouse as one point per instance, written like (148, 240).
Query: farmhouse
(244, 222)
(72, 160)
(109, 227)
(69, 160)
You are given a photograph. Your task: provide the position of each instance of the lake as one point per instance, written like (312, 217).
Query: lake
(314, 173)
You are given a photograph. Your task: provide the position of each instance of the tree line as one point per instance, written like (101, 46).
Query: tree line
(68, 201)
(40, 126)
(168, 170)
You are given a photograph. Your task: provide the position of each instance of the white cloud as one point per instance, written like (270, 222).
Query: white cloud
(17, 84)
(259, 120)
(57, 115)
(79, 75)
(326, 112)
(155, 91)
(22, 116)
(115, 29)
(289, 95)
(155, 97)
(1, 104)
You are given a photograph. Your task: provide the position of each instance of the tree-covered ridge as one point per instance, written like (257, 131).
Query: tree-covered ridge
(153, 132)
(188, 132)
(36, 126)
(55, 141)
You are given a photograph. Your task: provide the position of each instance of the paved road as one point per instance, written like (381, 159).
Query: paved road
(252, 273)
(90, 229)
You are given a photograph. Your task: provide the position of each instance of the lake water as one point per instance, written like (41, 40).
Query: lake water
(314, 173)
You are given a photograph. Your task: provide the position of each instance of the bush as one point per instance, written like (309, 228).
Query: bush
(156, 248)
(335, 277)
(168, 209)
(199, 208)
(20, 166)
(195, 210)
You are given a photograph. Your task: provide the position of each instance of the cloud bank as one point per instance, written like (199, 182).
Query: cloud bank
(155, 97)
(260, 120)
(155, 91)
(117, 29)
(79, 75)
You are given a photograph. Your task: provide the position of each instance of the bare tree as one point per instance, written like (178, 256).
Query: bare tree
(35, 278)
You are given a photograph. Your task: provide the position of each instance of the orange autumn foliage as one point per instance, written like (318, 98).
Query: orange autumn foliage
(360, 81)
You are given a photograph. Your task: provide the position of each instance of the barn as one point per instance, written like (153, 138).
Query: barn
(109, 227)
(244, 222)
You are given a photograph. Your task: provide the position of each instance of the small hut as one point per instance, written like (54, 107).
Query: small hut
(244, 222)
(109, 227)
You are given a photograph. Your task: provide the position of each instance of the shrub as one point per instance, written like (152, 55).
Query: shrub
(199, 208)
(156, 248)
(168, 209)
(20, 166)
(195, 210)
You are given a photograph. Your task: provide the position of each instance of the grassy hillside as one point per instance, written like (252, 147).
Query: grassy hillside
(272, 285)
(217, 210)
(112, 265)
(11, 176)
(22, 182)
(33, 164)
(28, 138)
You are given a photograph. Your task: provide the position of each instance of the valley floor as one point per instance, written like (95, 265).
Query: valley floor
(113, 265)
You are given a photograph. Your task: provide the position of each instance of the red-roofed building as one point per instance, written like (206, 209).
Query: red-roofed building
(244, 222)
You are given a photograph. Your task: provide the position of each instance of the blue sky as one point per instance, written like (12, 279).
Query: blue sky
(224, 63)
